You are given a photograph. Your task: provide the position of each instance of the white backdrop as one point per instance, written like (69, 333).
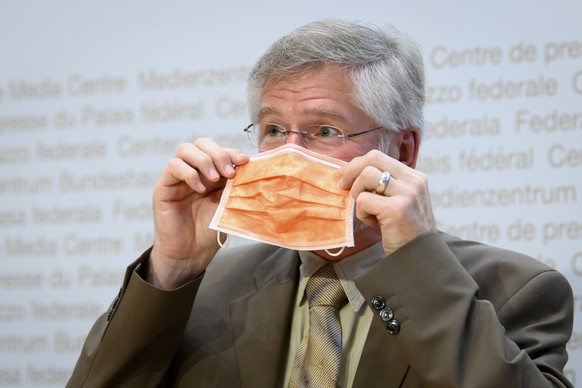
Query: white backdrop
(96, 96)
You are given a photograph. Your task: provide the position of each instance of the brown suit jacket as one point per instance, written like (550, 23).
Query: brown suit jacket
(470, 316)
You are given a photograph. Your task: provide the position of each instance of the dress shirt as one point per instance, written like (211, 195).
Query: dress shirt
(355, 319)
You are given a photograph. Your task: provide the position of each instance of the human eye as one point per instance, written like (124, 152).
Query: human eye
(273, 130)
(323, 131)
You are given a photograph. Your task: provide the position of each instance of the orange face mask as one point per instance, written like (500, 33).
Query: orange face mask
(290, 197)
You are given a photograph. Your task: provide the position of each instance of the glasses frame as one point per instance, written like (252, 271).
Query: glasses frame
(286, 132)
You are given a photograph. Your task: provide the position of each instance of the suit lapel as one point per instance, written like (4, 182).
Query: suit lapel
(261, 321)
(380, 364)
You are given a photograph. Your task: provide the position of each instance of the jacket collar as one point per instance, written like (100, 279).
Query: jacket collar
(261, 325)
(261, 321)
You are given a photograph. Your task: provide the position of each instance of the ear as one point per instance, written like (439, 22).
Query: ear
(407, 142)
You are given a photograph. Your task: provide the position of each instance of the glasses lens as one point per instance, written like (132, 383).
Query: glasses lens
(253, 134)
(323, 138)
(318, 138)
(266, 136)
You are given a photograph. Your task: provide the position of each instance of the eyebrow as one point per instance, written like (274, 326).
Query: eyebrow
(264, 111)
(327, 113)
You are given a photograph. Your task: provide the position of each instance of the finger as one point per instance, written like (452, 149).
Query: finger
(178, 171)
(223, 159)
(369, 181)
(368, 206)
(198, 160)
(210, 160)
(374, 158)
(412, 184)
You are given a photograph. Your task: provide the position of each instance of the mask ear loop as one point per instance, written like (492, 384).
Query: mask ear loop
(337, 253)
(226, 241)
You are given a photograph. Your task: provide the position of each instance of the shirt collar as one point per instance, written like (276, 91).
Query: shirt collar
(347, 270)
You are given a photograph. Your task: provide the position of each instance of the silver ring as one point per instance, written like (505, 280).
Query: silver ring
(384, 179)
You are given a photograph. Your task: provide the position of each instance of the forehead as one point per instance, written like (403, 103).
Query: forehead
(325, 88)
(324, 76)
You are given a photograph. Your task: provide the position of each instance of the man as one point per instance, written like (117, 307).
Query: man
(424, 309)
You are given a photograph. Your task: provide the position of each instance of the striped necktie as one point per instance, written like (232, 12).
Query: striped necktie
(319, 355)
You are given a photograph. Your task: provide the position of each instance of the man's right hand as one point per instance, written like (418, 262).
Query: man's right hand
(185, 199)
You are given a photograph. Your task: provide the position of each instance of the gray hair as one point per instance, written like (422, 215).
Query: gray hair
(385, 68)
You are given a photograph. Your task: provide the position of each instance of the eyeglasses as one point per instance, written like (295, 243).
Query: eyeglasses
(318, 138)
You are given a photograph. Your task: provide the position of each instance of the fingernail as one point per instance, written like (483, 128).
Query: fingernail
(228, 169)
(213, 174)
(201, 188)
